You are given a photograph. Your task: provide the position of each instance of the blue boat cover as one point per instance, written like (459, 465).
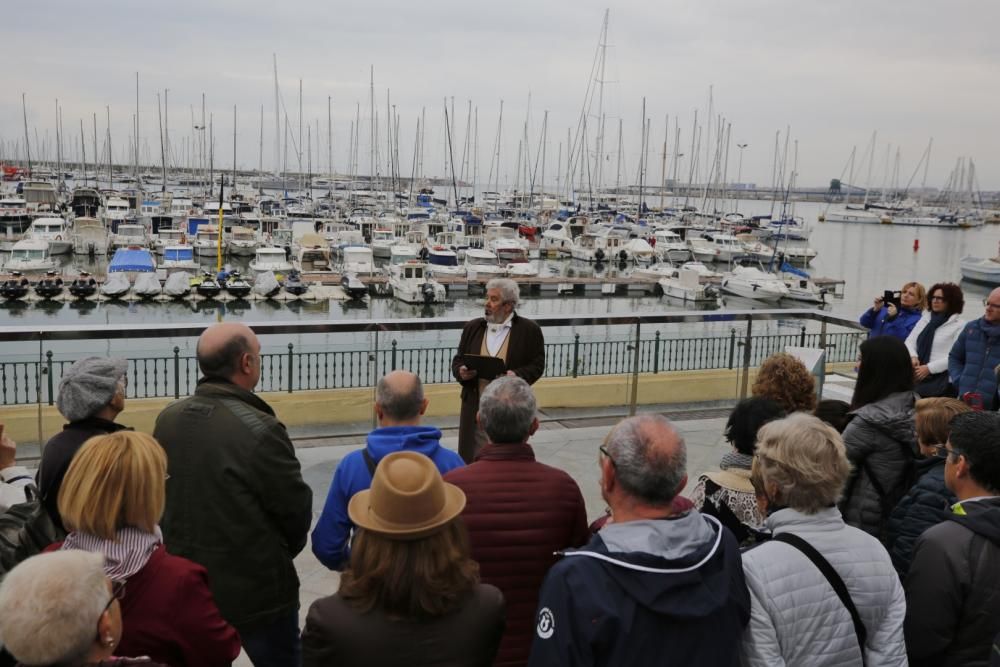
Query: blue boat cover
(131, 260)
(788, 268)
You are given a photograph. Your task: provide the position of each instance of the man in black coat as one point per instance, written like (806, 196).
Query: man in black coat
(500, 333)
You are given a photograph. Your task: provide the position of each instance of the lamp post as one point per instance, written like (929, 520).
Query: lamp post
(739, 172)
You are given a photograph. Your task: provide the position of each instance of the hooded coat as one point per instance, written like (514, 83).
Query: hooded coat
(953, 588)
(332, 534)
(650, 592)
(880, 443)
(881, 325)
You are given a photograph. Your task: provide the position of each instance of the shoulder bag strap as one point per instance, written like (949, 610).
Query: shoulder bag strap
(369, 461)
(835, 581)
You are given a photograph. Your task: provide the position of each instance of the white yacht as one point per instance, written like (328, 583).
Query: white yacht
(443, 261)
(411, 283)
(270, 258)
(52, 230)
(686, 285)
(753, 283)
(556, 239)
(179, 258)
(479, 261)
(14, 221)
(591, 247)
(206, 241)
(243, 242)
(981, 270)
(640, 252)
(129, 235)
(29, 255)
(670, 247)
(358, 260)
(382, 241)
(168, 236)
(115, 210)
(703, 250)
(313, 255)
(90, 237)
(728, 246)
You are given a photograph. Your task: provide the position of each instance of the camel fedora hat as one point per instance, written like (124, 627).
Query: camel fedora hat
(407, 500)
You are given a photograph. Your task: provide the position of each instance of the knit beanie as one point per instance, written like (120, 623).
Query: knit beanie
(88, 386)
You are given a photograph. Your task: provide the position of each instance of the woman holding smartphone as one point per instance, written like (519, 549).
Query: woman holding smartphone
(896, 318)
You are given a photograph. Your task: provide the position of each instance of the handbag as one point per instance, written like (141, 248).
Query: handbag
(823, 565)
(937, 384)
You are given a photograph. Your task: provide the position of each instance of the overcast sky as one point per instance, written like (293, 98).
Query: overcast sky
(832, 71)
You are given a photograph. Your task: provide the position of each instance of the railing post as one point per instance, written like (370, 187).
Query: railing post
(48, 371)
(635, 373)
(656, 354)
(802, 336)
(732, 347)
(393, 367)
(746, 360)
(576, 354)
(291, 368)
(177, 372)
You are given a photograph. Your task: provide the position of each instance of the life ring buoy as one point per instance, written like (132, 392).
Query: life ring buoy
(58, 237)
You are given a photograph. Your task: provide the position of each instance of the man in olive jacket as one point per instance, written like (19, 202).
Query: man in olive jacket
(236, 501)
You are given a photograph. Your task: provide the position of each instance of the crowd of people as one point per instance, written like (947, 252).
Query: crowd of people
(833, 533)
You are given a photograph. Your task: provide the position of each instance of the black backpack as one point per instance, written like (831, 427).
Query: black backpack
(25, 530)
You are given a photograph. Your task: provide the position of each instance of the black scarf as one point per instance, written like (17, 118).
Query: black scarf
(926, 338)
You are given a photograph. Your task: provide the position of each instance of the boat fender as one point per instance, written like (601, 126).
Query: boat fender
(622, 256)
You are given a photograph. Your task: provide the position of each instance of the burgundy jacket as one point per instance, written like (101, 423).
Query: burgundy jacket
(169, 614)
(519, 512)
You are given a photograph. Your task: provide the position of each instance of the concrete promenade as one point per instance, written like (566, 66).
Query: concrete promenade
(568, 439)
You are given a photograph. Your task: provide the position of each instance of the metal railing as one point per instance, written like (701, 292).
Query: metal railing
(175, 375)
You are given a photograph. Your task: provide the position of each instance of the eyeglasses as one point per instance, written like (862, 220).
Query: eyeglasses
(942, 451)
(937, 298)
(117, 593)
(986, 302)
(605, 452)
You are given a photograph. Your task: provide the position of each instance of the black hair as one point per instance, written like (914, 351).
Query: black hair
(834, 413)
(976, 435)
(747, 418)
(886, 368)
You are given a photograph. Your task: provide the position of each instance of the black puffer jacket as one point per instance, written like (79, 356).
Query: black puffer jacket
(926, 504)
(953, 589)
(880, 443)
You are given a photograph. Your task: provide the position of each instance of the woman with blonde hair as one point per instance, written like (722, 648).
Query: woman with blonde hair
(786, 381)
(821, 592)
(928, 502)
(111, 501)
(411, 594)
(898, 316)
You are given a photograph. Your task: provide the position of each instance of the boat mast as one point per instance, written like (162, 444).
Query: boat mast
(451, 161)
(277, 120)
(27, 144)
(58, 151)
(599, 140)
(111, 166)
(163, 154)
(83, 146)
(329, 144)
(663, 163)
(260, 155)
(137, 181)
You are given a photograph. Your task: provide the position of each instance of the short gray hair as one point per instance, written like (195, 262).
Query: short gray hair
(644, 467)
(805, 458)
(400, 405)
(506, 410)
(509, 290)
(51, 605)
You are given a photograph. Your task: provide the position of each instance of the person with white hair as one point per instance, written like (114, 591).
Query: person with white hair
(91, 396)
(502, 333)
(822, 592)
(60, 608)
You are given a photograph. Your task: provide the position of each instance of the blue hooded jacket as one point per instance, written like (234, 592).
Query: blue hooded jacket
(650, 592)
(331, 536)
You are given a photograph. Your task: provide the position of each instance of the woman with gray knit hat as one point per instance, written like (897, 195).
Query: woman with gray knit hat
(91, 395)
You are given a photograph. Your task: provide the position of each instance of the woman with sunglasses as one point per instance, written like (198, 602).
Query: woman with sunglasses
(111, 501)
(61, 609)
(932, 338)
(927, 502)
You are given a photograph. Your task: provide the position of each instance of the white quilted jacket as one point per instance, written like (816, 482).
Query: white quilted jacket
(796, 617)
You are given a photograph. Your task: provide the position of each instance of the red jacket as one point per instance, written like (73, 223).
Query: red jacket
(169, 614)
(518, 513)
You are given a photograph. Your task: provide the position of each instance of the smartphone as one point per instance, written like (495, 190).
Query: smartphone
(888, 296)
